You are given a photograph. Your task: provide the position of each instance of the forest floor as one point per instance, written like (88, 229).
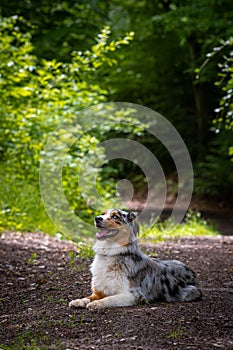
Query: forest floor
(39, 276)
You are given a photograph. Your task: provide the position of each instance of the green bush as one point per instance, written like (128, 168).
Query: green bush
(193, 225)
(37, 95)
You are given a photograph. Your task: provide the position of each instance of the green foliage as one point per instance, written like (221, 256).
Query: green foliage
(214, 175)
(224, 119)
(33, 90)
(194, 225)
(61, 26)
(176, 334)
(225, 110)
(32, 259)
(36, 96)
(58, 58)
(23, 344)
(21, 207)
(84, 249)
(158, 70)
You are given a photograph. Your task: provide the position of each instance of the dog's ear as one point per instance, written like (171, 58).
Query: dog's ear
(131, 216)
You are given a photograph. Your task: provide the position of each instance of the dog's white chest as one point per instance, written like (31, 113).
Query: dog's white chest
(108, 276)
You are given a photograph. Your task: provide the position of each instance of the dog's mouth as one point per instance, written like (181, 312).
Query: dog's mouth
(105, 233)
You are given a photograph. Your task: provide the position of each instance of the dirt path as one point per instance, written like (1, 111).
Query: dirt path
(38, 277)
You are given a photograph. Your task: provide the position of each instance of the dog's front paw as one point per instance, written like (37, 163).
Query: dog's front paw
(94, 305)
(79, 303)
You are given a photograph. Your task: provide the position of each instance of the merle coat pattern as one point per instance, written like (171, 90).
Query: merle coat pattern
(122, 275)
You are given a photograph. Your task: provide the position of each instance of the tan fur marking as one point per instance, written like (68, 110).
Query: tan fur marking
(96, 295)
(111, 224)
(123, 237)
(114, 212)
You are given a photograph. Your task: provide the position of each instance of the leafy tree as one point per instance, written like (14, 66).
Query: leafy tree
(52, 66)
(215, 175)
(37, 95)
(224, 118)
(158, 69)
(59, 27)
(171, 41)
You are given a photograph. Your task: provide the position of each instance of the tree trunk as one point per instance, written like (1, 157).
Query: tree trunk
(202, 123)
(199, 95)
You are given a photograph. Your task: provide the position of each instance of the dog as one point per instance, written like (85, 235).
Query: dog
(123, 276)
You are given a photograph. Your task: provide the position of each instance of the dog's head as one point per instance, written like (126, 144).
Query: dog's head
(117, 225)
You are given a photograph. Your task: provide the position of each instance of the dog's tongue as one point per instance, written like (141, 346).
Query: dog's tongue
(102, 233)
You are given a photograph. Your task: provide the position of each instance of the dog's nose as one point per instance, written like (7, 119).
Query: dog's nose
(98, 219)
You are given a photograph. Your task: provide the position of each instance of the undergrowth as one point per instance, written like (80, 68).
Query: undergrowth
(21, 209)
(194, 225)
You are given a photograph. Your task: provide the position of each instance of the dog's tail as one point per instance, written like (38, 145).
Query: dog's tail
(191, 293)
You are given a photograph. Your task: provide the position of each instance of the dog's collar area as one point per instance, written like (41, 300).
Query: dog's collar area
(105, 233)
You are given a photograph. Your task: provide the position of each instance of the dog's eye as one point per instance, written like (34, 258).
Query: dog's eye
(115, 217)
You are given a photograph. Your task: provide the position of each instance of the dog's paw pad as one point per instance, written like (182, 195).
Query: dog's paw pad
(79, 303)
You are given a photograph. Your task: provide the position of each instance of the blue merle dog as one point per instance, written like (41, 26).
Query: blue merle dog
(122, 275)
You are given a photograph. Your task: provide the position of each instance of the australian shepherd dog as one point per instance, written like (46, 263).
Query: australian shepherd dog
(122, 275)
